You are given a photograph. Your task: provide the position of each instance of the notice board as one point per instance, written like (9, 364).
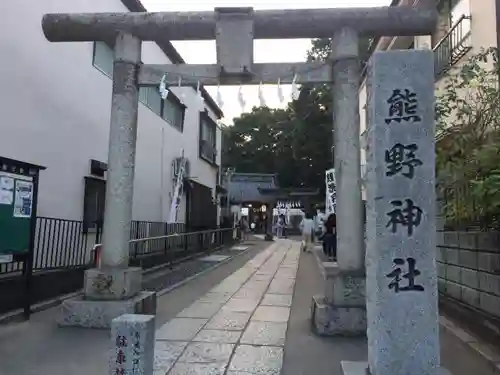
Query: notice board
(16, 205)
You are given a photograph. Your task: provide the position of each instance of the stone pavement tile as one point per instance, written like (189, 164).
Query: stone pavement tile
(207, 352)
(241, 305)
(265, 360)
(238, 281)
(180, 329)
(283, 300)
(213, 335)
(166, 353)
(264, 333)
(215, 297)
(198, 369)
(293, 266)
(249, 293)
(282, 286)
(267, 269)
(201, 310)
(271, 314)
(257, 286)
(261, 277)
(226, 288)
(285, 273)
(229, 320)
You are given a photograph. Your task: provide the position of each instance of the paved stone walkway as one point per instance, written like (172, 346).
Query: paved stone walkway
(239, 326)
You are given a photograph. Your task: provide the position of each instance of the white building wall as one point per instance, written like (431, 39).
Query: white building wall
(56, 107)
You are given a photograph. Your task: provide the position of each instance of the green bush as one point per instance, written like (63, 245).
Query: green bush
(468, 142)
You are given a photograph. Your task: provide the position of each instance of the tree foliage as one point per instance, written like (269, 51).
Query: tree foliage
(468, 146)
(296, 142)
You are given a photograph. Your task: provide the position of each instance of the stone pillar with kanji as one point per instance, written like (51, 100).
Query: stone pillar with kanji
(401, 279)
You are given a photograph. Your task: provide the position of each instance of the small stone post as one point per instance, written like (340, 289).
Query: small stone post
(402, 309)
(133, 342)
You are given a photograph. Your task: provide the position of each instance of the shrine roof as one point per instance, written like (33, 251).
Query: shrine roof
(246, 186)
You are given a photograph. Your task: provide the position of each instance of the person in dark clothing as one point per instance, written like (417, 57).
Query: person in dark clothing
(330, 237)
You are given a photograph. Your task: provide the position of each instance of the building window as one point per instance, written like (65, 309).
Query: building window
(93, 202)
(151, 98)
(174, 111)
(171, 109)
(208, 131)
(103, 58)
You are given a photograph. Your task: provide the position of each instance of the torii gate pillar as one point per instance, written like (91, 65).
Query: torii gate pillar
(115, 288)
(342, 308)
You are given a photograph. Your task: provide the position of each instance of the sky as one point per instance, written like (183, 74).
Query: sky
(289, 50)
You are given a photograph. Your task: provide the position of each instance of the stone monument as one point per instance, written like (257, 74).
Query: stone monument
(132, 341)
(401, 279)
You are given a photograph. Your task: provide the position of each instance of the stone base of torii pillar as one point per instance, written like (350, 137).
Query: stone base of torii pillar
(341, 311)
(107, 293)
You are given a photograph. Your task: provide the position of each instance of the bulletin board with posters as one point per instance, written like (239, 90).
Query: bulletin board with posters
(18, 203)
(18, 190)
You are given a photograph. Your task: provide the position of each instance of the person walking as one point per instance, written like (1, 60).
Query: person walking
(307, 227)
(330, 237)
(280, 225)
(244, 228)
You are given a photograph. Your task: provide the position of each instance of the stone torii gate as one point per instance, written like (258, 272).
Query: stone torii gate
(234, 30)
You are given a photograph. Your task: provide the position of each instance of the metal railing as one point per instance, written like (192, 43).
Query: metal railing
(453, 46)
(64, 244)
(147, 229)
(181, 244)
(58, 243)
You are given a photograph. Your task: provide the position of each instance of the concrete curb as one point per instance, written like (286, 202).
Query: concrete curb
(45, 305)
(482, 349)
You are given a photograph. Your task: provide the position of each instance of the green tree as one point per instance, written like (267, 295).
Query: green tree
(468, 142)
(295, 142)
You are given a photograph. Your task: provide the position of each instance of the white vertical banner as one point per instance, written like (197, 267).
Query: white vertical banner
(331, 191)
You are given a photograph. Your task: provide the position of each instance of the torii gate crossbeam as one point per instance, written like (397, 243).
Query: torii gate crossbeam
(268, 24)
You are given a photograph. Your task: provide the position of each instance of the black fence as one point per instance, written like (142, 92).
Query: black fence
(63, 251)
(148, 252)
(59, 243)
